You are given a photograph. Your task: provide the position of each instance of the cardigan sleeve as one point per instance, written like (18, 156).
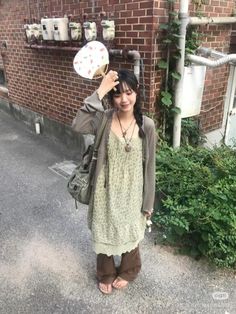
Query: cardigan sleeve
(89, 115)
(150, 168)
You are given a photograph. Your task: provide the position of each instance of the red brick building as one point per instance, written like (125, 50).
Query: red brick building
(38, 81)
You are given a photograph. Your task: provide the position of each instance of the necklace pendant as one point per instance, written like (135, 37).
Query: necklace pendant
(127, 148)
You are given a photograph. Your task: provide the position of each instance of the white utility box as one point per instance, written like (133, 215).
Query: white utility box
(61, 29)
(108, 32)
(75, 31)
(47, 28)
(90, 29)
(193, 87)
(33, 31)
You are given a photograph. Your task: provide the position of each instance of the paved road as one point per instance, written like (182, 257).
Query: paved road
(46, 261)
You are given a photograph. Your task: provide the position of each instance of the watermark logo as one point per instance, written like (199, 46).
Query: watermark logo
(220, 295)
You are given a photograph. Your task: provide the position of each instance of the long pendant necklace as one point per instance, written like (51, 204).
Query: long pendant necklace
(124, 131)
(128, 147)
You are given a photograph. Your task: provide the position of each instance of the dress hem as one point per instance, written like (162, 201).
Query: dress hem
(111, 250)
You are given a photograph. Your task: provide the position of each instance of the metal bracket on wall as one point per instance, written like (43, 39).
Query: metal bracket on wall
(199, 3)
(65, 48)
(3, 48)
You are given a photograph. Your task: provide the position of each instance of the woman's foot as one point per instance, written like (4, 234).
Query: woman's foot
(105, 288)
(120, 283)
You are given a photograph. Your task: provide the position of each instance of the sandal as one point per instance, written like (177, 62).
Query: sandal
(118, 281)
(105, 291)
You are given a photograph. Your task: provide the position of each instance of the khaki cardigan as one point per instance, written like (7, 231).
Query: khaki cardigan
(88, 120)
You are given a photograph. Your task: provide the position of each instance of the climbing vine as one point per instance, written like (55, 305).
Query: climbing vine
(199, 3)
(191, 133)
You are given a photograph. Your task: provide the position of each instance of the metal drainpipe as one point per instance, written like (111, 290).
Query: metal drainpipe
(130, 53)
(211, 63)
(232, 75)
(185, 21)
(212, 20)
(29, 12)
(184, 18)
(208, 52)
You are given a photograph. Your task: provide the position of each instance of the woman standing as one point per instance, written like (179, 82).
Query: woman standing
(124, 184)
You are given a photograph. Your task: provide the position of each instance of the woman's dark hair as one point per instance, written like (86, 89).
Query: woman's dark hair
(128, 78)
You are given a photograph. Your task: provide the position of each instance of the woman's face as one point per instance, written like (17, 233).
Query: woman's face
(126, 100)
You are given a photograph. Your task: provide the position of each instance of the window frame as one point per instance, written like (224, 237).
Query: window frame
(3, 87)
(4, 77)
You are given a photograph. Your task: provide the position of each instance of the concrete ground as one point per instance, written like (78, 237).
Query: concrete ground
(46, 261)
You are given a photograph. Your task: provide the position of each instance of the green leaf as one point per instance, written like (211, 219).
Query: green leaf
(176, 35)
(176, 22)
(173, 13)
(189, 50)
(177, 55)
(162, 64)
(176, 76)
(167, 41)
(179, 230)
(166, 101)
(166, 94)
(176, 110)
(164, 26)
(204, 236)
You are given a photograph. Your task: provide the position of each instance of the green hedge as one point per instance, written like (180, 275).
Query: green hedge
(196, 208)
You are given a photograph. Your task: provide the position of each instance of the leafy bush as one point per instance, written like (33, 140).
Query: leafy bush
(196, 189)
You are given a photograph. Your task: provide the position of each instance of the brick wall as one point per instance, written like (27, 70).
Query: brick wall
(44, 80)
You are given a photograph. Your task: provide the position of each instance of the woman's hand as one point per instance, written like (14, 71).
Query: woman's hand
(148, 213)
(108, 83)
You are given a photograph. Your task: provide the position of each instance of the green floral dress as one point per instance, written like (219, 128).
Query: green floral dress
(116, 221)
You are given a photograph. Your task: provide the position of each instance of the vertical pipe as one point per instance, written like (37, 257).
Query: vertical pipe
(183, 16)
(229, 99)
(137, 68)
(61, 6)
(29, 12)
(38, 11)
(184, 6)
(93, 7)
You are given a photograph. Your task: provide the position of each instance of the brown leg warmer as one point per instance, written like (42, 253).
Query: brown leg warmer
(130, 265)
(106, 271)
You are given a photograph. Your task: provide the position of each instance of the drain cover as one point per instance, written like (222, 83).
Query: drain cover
(64, 168)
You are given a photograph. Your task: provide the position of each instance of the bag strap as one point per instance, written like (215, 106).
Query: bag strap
(100, 132)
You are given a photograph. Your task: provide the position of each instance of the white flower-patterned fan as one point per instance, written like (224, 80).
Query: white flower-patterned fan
(92, 60)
